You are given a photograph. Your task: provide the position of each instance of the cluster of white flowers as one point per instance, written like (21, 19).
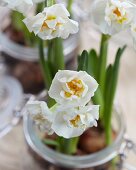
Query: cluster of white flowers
(113, 16)
(73, 113)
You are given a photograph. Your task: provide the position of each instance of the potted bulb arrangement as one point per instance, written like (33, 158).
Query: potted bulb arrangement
(77, 99)
(21, 47)
(78, 127)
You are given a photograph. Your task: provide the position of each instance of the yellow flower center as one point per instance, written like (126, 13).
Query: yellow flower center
(121, 18)
(74, 122)
(44, 25)
(51, 17)
(117, 12)
(76, 87)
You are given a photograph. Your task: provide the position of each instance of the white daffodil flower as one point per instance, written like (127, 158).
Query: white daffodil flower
(22, 6)
(72, 88)
(72, 122)
(52, 22)
(112, 16)
(41, 115)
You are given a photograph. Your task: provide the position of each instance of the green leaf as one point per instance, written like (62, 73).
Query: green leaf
(103, 61)
(50, 142)
(83, 61)
(18, 24)
(116, 68)
(110, 90)
(108, 83)
(88, 62)
(40, 7)
(44, 65)
(93, 63)
(17, 18)
(112, 77)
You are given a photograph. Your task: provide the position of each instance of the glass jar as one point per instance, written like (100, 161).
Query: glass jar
(52, 160)
(10, 99)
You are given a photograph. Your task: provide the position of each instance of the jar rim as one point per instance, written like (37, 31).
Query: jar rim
(31, 54)
(63, 160)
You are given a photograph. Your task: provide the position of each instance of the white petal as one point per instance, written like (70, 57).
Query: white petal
(36, 107)
(57, 10)
(71, 27)
(34, 23)
(41, 114)
(61, 128)
(51, 23)
(62, 123)
(98, 12)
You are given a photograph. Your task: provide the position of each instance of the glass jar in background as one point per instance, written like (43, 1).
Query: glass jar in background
(22, 61)
(11, 95)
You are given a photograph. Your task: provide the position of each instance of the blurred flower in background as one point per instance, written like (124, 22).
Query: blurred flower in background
(22, 6)
(112, 16)
(52, 22)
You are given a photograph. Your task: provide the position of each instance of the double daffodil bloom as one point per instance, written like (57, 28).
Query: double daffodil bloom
(65, 121)
(41, 115)
(113, 16)
(73, 121)
(73, 113)
(72, 88)
(52, 22)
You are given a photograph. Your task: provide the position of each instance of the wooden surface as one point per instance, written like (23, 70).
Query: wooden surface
(13, 150)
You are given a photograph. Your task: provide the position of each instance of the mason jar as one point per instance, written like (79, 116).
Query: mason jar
(53, 160)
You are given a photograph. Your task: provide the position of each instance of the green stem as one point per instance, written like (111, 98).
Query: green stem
(59, 55)
(68, 146)
(69, 6)
(103, 61)
(44, 64)
(108, 129)
(46, 3)
(50, 2)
